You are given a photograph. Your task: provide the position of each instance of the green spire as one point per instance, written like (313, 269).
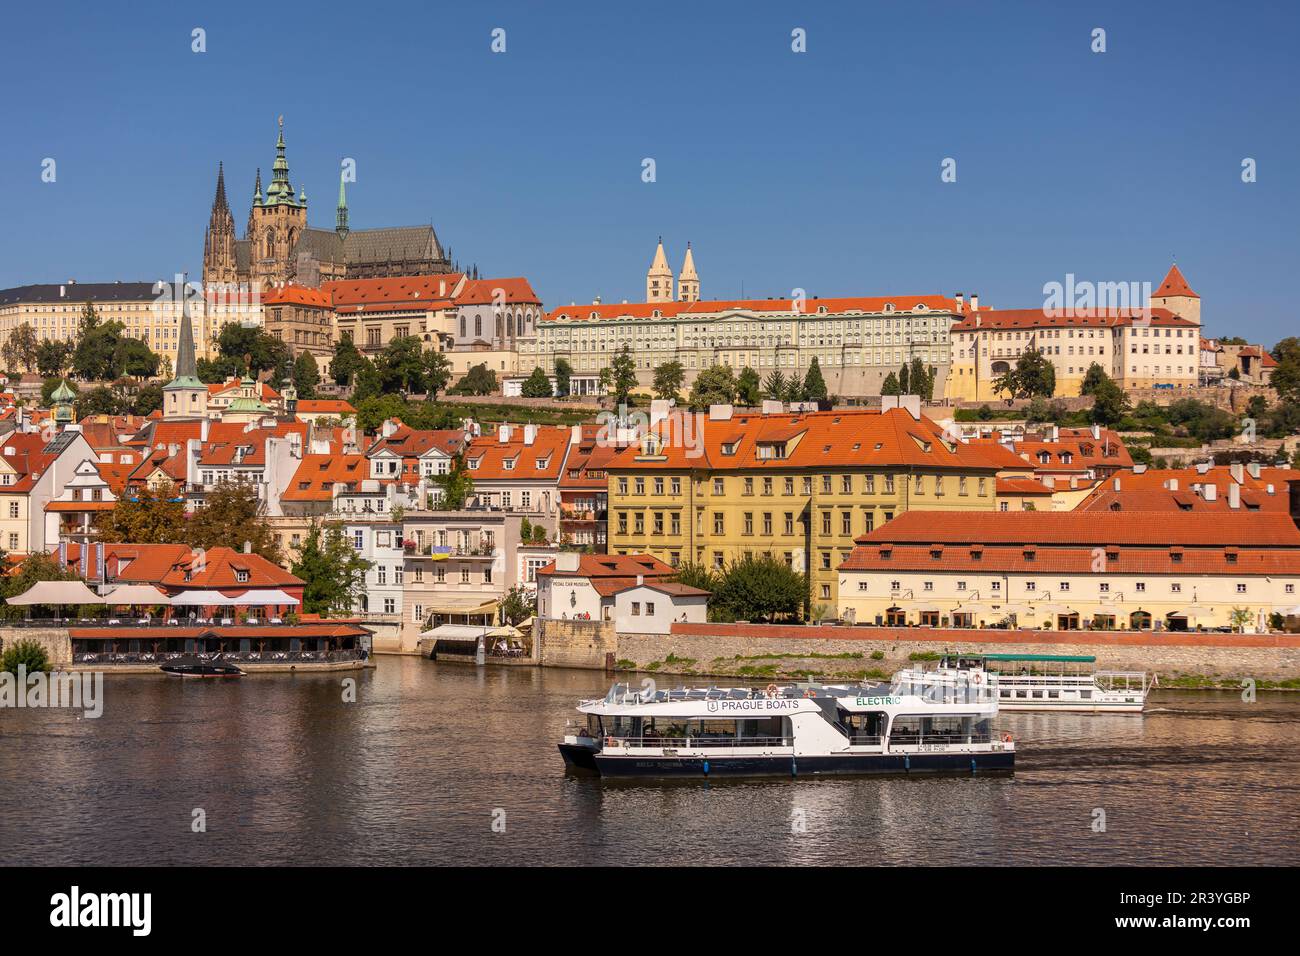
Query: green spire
(280, 192)
(257, 188)
(341, 214)
(186, 366)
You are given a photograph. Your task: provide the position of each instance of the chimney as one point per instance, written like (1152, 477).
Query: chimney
(203, 428)
(1253, 469)
(1049, 482)
(911, 404)
(720, 413)
(530, 433)
(1234, 496)
(566, 561)
(1096, 432)
(1268, 489)
(660, 408)
(389, 428)
(772, 407)
(974, 301)
(503, 433)
(575, 434)
(1237, 471)
(961, 302)
(1210, 492)
(1117, 482)
(1139, 469)
(248, 547)
(1172, 484)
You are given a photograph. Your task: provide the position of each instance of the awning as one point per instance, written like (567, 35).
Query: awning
(927, 609)
(1055, 609)
(462, 607)
(57, 592)
(271, 598)
(203, 599)
(468, 633)
(136, 594)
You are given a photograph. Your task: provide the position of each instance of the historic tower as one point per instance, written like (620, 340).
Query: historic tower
(219, 263)
(276, 222)
(341, 213)
(688, 281)
(185, 397)
(659, 280)
(1177, 296)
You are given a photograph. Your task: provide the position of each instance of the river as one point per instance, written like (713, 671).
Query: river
(449, 764)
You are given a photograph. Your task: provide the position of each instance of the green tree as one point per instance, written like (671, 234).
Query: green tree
(132, 357)
(759, 589)
(715, 385)
(99, 401)
(479, 380)
(891, 385)
(26, 657)
(919, 379)
(144, 516)
(905, 379)
(814, 386)
(775, 386)
(306, 376)
(563, 375)
(1286, 376)
(334, 575)
(1109, 403)
(233, 515)
(623, 377)
(517, 605)
(537, 385)
(1032, 375)
(748, 388)
(668, 379)
(347, 362)
(148, 399)
(19, 350)
(456, 485)
(401, 366)
(52, 357)
(437, 373)
(88, 321)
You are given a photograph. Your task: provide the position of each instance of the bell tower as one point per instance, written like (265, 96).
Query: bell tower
(276, 222)
(659, 279)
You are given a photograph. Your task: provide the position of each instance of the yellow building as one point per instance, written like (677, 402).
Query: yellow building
(1067, 571)
(797, 486)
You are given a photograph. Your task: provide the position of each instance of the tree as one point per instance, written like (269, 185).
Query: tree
(96, 355)
(214, 371)
(1032, 375)
(334, 575)
(775, 386)
(144, 516)
(920, 381)
(814, 386)
(1092, 378)
(479, 380)
(456, 485)
(88, 321)
(905, 379)
(347, 361)
(401, 366)
(437, 373)
(19, 350)
(1109, 403)
(1286, 376)
(759, 588)
(233, 515)
(669, 379)
(748, 388)
(52, 356)
(101, 400)
(537, 385)
(148, 399)
(517, 605)
(132, 357)
(715, 385)
(26, 657)
(563, 373)
(891, 385)
(622, 376)
(306, 376)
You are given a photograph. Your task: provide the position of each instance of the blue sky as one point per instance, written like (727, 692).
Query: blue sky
(817, 170)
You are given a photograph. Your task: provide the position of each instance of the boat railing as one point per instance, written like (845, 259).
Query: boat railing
(866, 740)
(702, 741)
(922, 739)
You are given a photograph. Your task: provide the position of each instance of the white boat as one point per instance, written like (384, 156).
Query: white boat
(1049, 682)
(923, 723)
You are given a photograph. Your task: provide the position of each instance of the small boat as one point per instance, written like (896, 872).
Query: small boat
(199, 668)
(1049, 682)
(918, 724)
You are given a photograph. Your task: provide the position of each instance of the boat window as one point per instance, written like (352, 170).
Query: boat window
(1086, 694)
(864, 728)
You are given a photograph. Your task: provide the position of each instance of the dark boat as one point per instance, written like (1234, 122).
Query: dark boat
(196, 667)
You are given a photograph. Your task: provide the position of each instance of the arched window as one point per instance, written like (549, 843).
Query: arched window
(270, 244)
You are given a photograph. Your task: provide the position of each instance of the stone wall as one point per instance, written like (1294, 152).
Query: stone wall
(585, 644)
(54, 639)
(713, 648)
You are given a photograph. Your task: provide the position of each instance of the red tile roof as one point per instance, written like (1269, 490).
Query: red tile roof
(488, 456)
(1002, 319)
(1174, 284)
(325, 406)
(297, 295)
(402, 293)
(514, 290)
(316, 476)
(645, 310)
(615, 566)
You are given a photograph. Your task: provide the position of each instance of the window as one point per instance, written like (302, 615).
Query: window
(718, 522)
(464, 575)
(241, 576)
(719, 486)
(13, 509)
(390, 606)
(1140, 586)
(358, 539)
(1176, 588)
(381, 574)
(1064, 586)
(649, 608)
(862, 585)
(1241, 588)
(749, 522)
(417, 614)
(636, 608)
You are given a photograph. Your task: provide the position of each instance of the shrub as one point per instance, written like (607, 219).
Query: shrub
(24, 653)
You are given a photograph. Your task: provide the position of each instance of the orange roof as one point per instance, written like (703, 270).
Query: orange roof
(297, 295)
(585, 467)
(419, 293)
(115, 474)
(266, 392)
(1085, 528)
(849, 438)
(1002, 319)
(491, 459)
(324, 406)
(316, 476)
(488, 291)
(667, 310)
(615, 566)
(1022, 486)
(1175, 284)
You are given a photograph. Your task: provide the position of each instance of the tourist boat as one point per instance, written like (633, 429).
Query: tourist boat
(1052, 682)
(196, 667)
(917, 724)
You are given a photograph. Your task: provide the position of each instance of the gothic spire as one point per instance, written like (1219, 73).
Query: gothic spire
(341, 214)
(186, 365)
(219, 203)
(257, 188)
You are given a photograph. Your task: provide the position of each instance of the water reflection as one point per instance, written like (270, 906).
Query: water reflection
(288, 773)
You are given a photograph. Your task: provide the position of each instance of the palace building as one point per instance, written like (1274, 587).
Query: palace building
(279, 246)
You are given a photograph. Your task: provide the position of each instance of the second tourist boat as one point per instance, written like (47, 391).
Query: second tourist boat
(918, 724)
(1048, 682)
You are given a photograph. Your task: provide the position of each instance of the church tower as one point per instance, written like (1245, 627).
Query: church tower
(659, 280)
(185, 398)
(688, 281)
(219, 264)
(276, 222)
(341, 213)
(1177, 296)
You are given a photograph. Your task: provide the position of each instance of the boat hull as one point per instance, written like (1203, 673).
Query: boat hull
(204, 673)
(1073, 707)
(588, 760)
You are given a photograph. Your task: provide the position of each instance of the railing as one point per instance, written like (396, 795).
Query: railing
(866, 740)
(922, 739)
(251, 657)
(703, 741)
(132, 623)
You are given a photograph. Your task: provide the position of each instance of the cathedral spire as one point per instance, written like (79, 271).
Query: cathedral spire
(281, 190)
(341, 214)
(257, 188)
(219, 203)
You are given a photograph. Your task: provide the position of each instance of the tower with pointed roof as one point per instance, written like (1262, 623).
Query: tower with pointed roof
(688, 280)
(220, 264)
(1177, 296)
(659, 279)
(185, 398)
(276, 222)
(61, 400)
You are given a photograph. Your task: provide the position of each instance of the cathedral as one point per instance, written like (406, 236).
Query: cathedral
(278, 245)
